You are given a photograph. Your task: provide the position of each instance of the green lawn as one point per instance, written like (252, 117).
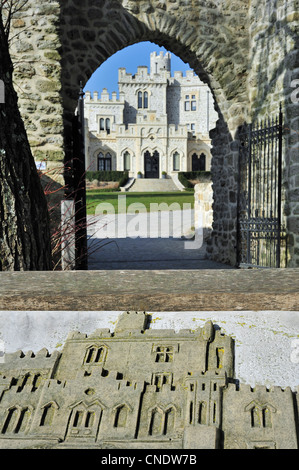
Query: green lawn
(151, 201)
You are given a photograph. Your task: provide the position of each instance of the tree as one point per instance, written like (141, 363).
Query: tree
(24, 229)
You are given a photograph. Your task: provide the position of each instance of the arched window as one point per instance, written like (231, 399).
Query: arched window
(202, 413)
(176, 161)
(127, 161)
(95, 355)
(121, 416)
(156, 422)
(48, 415)
(105, 125)
(10, 421)
(145, 100)
(199, 162)
(17, 420)
(169, 421)
(140, 99)
(104, 161)
(101, 163)
(89, 419)
(202, 162)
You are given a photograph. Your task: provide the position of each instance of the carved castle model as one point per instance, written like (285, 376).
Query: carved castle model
(140, 388)
(159, 123)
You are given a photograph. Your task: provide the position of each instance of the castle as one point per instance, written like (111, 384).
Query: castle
(159, 123)
(140, 388)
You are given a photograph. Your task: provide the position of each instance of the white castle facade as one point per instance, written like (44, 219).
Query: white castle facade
(157, 124)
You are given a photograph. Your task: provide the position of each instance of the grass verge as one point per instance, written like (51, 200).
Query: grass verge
(161, 201)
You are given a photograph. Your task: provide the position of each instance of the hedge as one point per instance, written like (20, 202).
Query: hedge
(120, 176)
(185, 176)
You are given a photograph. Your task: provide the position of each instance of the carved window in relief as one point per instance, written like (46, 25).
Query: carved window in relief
(95, 355)
(121, 416)
(260, 415)
(163, 353)
(219, 357)
(17, 420)
(202, 413)
(29, 380)
(48, 414)
(163, 378)
(85, 420)
(162, 422)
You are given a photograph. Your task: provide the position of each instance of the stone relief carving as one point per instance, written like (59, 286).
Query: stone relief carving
(140, 387)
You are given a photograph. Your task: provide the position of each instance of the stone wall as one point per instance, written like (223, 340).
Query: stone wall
(273, 60)
(245, 51)
(203, 208)
(134, 389)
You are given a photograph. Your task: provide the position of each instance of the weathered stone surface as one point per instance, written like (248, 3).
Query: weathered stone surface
(216, 290)
(140, 388)
(245, 51)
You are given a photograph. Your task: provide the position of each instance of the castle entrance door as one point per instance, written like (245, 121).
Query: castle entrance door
(151, 164)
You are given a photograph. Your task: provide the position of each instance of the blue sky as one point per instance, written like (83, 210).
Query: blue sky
(106, 76)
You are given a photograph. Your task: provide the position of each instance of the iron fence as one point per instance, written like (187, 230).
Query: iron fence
(262, 235)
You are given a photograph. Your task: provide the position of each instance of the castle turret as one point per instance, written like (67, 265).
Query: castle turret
(160, 62)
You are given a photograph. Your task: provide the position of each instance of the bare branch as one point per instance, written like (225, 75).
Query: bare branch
(8, 9)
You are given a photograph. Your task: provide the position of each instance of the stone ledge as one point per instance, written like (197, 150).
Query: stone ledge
(173, 290)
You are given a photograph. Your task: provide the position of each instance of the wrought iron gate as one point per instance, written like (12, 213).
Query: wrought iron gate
(260, 228)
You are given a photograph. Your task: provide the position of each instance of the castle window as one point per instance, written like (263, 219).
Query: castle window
(95, 355)
(108, 126)
(202, 413)
(127, 161)
(145, 100)
(78, 419)
(105, 125)
(162, 379)
(48, 415)
(104, 162)
(190, 104)
(142, 100)
(164, 354)
(202, 162)
(169, 421)
(176, 161)
(156, 422)
(17, 420)
(89, 420)
(198, 162)
(121, 416)
(261, 417)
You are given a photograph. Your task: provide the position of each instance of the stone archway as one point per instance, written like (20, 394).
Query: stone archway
(69, 39)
